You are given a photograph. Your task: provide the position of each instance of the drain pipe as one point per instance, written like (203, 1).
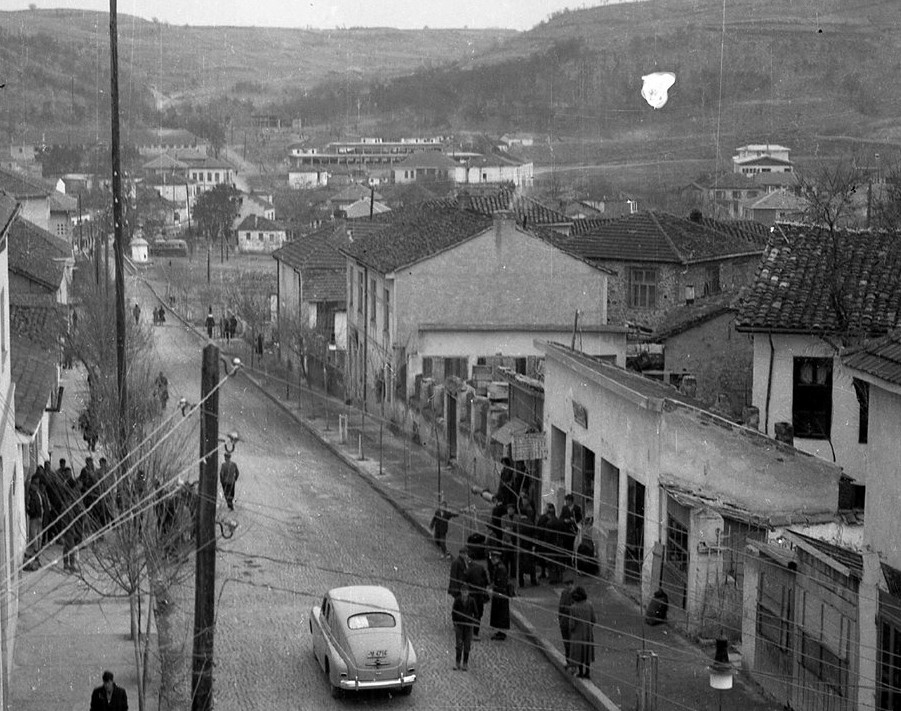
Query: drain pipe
(769, 387)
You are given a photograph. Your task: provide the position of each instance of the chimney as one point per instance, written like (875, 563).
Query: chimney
(464, 201)
(501, 218)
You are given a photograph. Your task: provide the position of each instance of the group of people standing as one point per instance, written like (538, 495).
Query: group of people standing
(228, 325)
(60, 504)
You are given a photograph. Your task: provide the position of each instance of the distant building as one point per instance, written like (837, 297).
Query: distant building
(762, 158)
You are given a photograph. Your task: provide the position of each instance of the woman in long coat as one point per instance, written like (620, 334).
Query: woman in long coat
(581, 633)
(500, 597)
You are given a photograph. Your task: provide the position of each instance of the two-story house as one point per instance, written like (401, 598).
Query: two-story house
(762, 158)
(442, 288)
(816, 292)
(207, 173)
(260, 235)
(659, 260)
(312, 310)
(40, 265)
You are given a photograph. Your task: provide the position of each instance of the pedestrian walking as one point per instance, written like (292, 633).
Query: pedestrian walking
(210, 323)
(34, 509)
(571, 518)
(136, 312)
(228, 475)
(458, 573)
(232, 326)
(109, 696)
(439, 525)
(476, 577)
(223, 328)
(162, 389)
(464, 617)
(72, 522)
(581, 633)
(546, 536)
(564, 615)
(500, 597)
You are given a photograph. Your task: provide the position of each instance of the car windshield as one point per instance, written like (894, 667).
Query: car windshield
(366, 620)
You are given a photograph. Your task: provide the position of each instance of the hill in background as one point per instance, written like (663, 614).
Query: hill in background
(55, 63)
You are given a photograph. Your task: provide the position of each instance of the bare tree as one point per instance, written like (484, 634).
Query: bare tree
(832, 193)
(247, 294)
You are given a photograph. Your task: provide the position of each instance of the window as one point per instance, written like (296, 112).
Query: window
(456, 367)
(367, 620)
(350, 289)
(643, 288)
(360, 287)
(260, 236)
(862, 391)
(209, 177)
(176, 217)
(712, 280)
(386, 307)
(736, 194)
(812, 398)
(217, 177)
(888, 675)
(372, 305)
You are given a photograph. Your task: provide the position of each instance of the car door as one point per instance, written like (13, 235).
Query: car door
(318, 623)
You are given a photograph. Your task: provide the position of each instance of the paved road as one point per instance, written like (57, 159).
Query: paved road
(307, 523)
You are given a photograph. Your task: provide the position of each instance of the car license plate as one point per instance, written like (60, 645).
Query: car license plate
(378, 653)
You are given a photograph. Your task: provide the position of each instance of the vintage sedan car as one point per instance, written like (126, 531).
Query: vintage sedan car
(360, 640)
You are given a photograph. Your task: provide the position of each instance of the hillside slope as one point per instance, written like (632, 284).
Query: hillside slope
(55, 63)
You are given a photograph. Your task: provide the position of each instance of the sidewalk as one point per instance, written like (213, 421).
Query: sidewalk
(65, 635)
(406, 474)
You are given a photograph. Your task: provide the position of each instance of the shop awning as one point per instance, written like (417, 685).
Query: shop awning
(526, 444)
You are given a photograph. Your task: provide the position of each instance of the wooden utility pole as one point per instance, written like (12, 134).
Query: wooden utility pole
(205, 536)
(120, 237)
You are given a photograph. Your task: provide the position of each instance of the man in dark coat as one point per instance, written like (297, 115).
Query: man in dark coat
(546, 533)
(581, 633)
(228, 475)
(476, 578)
(564, 608)
(210, 323)
(500, 597)
(109, 696)
(439, 525)
(458, 573)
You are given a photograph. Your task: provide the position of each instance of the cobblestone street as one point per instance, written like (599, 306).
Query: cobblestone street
(307, 523)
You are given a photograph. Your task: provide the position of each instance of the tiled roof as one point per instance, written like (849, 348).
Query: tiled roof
(799, 278)
(9, 208)
(783, 178)
(37, 254)
(362, 207)
(588, 224)
(60, 202)
(354, 192)
(35, 374)
(426, 159)
(880, 358)
(524, 209)
(845, 556)
(686, 316)
(208, 163)
(322, 267)
(258, 222)
(727, 181)
(762, 160)
(418, 233)
(22, 186)
(778, 200)
(749, 230)
(658, 237)
(164, 162)
(37, 318)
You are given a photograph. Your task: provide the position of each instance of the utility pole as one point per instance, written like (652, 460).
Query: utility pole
(118, 226)
(205, 535)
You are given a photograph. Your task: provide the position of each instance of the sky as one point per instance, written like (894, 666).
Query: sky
(406, 14)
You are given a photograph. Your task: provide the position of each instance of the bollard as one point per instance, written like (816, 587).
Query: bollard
(360, 448)
(342, 429)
